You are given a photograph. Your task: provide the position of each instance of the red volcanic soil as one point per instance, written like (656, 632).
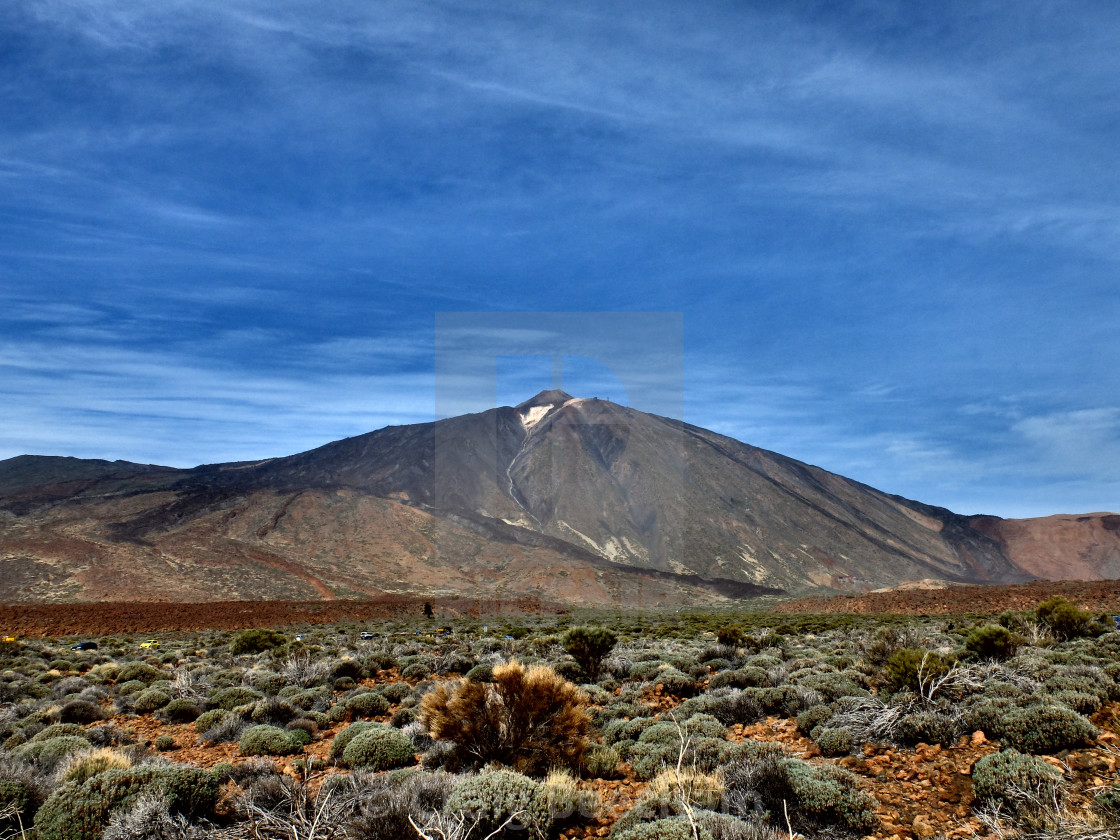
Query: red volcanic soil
(1097, 596)
(34, 620)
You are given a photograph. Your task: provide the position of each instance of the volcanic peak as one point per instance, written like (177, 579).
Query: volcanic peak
(548, 397)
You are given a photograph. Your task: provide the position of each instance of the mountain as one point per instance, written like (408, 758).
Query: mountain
(574, 500)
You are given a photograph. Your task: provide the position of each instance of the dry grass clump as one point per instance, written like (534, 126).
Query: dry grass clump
(530, 720)
(703, 790)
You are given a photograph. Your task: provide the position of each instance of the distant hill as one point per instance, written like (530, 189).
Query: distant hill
(579, 501)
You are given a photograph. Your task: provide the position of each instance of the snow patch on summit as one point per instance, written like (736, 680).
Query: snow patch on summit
(532, 416)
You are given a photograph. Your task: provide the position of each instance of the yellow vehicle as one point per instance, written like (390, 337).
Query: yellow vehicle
(149, 644)
(9, 638)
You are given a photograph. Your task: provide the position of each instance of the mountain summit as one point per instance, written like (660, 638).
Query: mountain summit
(562, 499)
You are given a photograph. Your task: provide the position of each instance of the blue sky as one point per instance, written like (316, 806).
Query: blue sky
(891, 229)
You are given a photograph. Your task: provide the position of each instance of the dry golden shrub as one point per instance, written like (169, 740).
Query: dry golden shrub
(530, 720)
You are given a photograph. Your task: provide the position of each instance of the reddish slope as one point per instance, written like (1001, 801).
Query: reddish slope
(1062, 547)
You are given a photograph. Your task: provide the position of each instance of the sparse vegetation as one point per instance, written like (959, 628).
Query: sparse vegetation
(714, 711)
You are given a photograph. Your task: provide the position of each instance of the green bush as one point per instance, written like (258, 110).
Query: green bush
(416, 671)
(179, 710)
(1064, 618)
(149, 700)
(601, 761)
(992, 641)
(81, 811)
(234, 696)
(1106, 802)
(163, 743)
(379, 748)
(1079, 701)
(130, 687)
(209, 719)
(730, 635)
(833, 742)
(49, 752)
(256, 641)
(1001, 777)
(343, 738)
(672, 828)
(818, 797)
(907, 668)
(1045, 729)
(141, 671)
(813, 717)
(491, 798)
(396, 692)
(926, 728)
(57, 729)
(589, 646)
(368, 704)
(269, 740)
(80, 711)
(676, 683)
(273, 710)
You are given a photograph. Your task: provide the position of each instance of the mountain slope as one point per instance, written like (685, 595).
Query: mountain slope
(564, 499)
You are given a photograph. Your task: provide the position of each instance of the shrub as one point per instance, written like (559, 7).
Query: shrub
(85, 764)
(491, 798)
(256, 641)
(817, 796)
(674, 828)
(648, 758)
(395, 692)
(813, 717)
(1079, 701)
(833, 741)
(343, 738)
(130, 687)
(416, 671)
(50, 751)
(149, 700)
(730, 635)
(1064, 618)
(80, 711)
(209, 719)
(926, 728)
(992, 641)
(530, 720)
(163, 743)
(141, 671)
(233, 696)
(601, 761)
(179, 710)
(351, 668)
(1107, 802)
(57, 729)
(701, 790)
(388, 801)
(1044, 729)
(379, 748)
(368, 704)
(223, 730)
(481, 673)
(564, 799)
(269, 740)
(676, 683)
(589, 646)
(908, 668)
(1005, 776)
(82, 811)
(273, 710)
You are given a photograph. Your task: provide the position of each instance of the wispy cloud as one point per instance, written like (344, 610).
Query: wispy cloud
(891, 234)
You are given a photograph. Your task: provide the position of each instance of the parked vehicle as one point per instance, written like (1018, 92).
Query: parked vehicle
(84, 646)
(149, 644)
